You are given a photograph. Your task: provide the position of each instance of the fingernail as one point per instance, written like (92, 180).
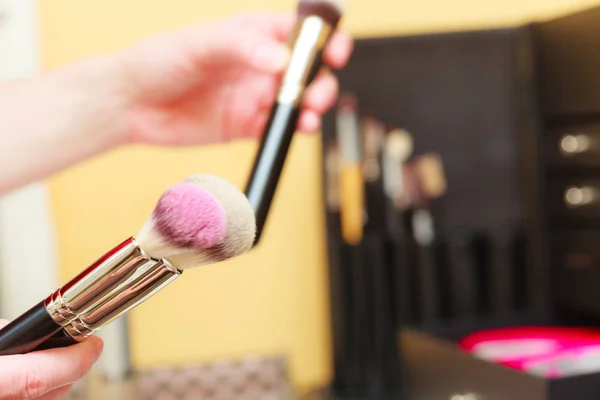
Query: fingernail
(271, 57)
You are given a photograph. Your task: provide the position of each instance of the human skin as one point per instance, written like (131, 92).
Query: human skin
(205, 84)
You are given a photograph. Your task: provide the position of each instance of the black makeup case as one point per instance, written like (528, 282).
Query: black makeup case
(517, 243)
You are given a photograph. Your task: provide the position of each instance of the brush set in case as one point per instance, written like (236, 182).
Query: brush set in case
(461, 190)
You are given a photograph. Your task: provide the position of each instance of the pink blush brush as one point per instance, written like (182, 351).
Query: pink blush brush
(190, 217)
(187, 216)
(200, 221)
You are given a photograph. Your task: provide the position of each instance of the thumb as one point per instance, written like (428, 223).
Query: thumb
(31, 375)
(257, 50)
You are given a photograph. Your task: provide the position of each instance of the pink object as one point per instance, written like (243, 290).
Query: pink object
(546, 351)
(189, 216)
(571, 361)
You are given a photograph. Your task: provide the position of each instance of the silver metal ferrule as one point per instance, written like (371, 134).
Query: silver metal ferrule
(120, 280)
(308, 40)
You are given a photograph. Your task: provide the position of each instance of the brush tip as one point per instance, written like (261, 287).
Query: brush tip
(433, 178)
(189, 216)
(339, 5)
(241, 223)
(399, 144)
(347, 101)
(329, 10)
(204, 219)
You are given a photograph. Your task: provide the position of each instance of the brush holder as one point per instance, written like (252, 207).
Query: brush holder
(517, 127)
(365, 356)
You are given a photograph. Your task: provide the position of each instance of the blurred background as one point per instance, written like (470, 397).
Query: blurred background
(271, 301)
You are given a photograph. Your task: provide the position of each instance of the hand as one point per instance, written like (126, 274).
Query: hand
(209, 83)
(217, 81)
(47, 374)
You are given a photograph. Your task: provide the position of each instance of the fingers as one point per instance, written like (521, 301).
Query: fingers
(278, 26)
(56, 394)
(255, 126)
(320, 96)
(321, 93)
(225, 44)
(309, 122)
(32, 375)
(338, 50)
(255, 40)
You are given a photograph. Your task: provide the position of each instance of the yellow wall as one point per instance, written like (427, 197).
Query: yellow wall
(273, 299)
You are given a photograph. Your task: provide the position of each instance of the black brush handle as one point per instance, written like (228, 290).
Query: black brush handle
(462, 274)
(501, 277)
(386, 372)
(401, 265)
(399, 255)
(272, 153)
(361, 332)
(58, 340)
(340, 257)
(268, 165)
(34, 330)
(394, 222)
(427, 283)
(376, 207)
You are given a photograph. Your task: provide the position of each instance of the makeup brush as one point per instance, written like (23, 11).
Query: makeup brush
(339, 256)
(373, 136)
(316, 21)
(332, 171)
(352, 223)
(398, 149)
(199, 221)
(429, 183)
(432, 178)
(352, 190)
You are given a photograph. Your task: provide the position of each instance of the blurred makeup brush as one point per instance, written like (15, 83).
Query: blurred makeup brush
(458, 267)
(429, 183)
(332, 171)
(199, 221)
(352, 222)
(316, 21)
(373, 137)
(340, 278)
(352, 191)
(432, 177)
(398, 149)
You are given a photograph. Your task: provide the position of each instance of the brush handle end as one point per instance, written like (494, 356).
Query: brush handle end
(33, 330)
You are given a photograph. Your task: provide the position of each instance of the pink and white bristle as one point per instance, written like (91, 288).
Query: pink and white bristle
(204, 219)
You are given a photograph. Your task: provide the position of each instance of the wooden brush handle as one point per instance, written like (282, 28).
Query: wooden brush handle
(352, 203)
